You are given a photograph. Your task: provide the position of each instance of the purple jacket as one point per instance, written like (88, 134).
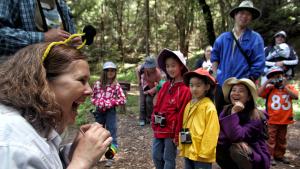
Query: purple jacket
(233, 132)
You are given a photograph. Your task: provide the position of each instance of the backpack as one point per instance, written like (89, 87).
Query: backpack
(265, 132)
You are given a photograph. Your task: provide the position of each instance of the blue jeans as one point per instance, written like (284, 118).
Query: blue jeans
(109, 120)
(164, 153)
(190, 164)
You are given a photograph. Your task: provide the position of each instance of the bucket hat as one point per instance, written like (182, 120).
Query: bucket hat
(246, 5)
(166, 53)
(199, 72)
(150, 62)
(233, 81)
(282, 33)
(109, 65)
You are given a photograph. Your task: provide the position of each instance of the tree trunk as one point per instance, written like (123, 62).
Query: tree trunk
(209, 21)
(119, 14)
(184, 20)
(147, 24)
(223, 15)
(156, 27)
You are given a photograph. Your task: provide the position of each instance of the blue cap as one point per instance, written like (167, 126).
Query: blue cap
(150, 62)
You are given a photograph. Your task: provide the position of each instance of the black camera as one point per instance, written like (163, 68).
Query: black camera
(185, 136)
(277, 82)
(160, 119)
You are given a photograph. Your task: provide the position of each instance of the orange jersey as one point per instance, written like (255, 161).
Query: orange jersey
(279, 105)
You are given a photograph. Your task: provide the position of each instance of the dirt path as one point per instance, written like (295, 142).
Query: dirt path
(135, 146)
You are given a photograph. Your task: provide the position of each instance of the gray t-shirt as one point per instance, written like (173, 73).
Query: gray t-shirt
(52, 16)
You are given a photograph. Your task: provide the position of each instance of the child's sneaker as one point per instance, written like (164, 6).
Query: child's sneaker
(273, 162)
(109, 163)
(142, 123)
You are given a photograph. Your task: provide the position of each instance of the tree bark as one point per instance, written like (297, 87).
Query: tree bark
(223, 15)
(147, 24)
(184, 20)
(209, 21)
(119, 8)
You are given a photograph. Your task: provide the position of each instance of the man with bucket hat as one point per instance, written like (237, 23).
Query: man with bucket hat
(239, 53)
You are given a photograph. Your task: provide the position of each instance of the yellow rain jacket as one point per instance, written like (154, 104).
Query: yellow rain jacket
(201, 119)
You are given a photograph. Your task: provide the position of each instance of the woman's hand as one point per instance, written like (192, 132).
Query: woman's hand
(89, 146)
(245, 147)
(237, 107)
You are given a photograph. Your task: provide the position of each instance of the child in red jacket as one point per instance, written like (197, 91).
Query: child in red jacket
(278, 95)
(168, 111)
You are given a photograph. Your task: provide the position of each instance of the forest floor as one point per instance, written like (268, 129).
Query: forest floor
(135, 146)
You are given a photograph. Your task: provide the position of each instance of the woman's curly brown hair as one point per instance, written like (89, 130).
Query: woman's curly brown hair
(25, 83)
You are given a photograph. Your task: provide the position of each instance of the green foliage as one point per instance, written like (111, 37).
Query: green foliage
(132, 100)
(128, 75)
(260, 102)
(132, 105)
(193, 59)
(297, 115)
(83, 112)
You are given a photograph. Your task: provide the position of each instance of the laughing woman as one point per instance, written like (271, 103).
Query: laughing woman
(38, 100)
(241, 143)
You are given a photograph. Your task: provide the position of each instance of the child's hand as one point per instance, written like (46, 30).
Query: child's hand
(269, 83)
(237, 107)
(284, 81)
(151, 91)
(175, 141)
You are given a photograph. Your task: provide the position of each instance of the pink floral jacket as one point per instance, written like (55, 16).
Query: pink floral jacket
(110, 96)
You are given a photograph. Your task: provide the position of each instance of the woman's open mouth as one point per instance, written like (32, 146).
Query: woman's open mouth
(75, 106)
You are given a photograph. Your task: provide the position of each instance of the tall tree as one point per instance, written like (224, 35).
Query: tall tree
(147, 24)
(208, 20)
(184, 20)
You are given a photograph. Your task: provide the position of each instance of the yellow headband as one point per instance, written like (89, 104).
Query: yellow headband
(63, 42)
